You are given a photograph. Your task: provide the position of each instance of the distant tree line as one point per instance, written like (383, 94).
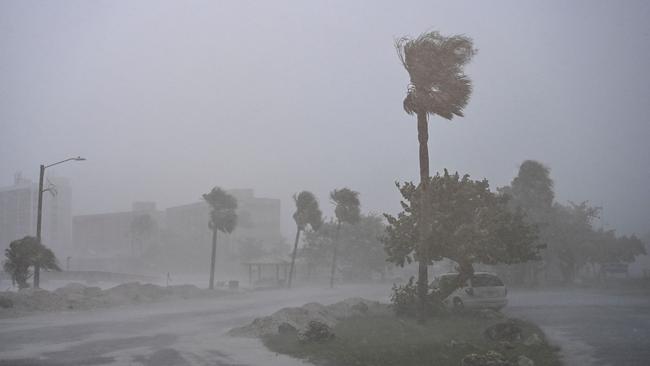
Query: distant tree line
(573, 244)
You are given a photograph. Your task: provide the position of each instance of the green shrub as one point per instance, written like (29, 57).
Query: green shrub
(404, 300)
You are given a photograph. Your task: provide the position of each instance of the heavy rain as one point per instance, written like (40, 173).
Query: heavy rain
(324, 183)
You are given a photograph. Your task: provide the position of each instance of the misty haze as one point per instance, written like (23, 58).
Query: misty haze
(324, 183)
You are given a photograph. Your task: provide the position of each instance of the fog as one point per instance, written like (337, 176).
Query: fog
(168, 99)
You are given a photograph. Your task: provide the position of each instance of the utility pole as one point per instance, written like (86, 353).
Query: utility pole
(39, 219)
(39, 216)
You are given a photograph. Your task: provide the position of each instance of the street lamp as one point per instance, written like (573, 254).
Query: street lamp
(37, 268)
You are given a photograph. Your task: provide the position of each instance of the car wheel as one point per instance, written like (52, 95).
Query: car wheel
(458, 304)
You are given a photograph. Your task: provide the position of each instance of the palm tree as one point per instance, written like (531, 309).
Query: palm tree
(347, 210)
(307, 213)
(438, 86)
(25, 253)
(222, 218)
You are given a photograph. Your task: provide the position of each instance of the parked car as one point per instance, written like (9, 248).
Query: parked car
(483, 291)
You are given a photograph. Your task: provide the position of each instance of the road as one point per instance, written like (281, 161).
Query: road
(175, 333)
(592, 329)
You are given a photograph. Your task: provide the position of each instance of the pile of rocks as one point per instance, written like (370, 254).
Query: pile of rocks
(76, 296)
(299, 318)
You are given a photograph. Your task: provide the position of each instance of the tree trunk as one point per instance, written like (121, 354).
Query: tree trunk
(293, 257)
(423, 268)
(214, 256)
(336, 244)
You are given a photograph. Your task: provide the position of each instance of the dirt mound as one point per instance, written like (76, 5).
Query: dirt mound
(76, 296)
(300, 317)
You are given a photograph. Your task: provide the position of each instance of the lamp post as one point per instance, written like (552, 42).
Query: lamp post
(37, 267)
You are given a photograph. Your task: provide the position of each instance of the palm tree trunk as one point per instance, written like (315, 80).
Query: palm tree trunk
(423, 268)
(37, 275)
(336, 244)
(214, 255)
(293, 256)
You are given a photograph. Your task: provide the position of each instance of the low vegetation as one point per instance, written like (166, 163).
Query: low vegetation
(443, 340)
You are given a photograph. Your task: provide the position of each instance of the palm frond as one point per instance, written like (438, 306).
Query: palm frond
(435, 63)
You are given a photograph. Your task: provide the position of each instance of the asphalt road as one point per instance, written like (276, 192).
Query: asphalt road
(175, 333)
(592, 328)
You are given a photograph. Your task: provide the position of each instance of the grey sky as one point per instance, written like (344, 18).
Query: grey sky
(167, 99)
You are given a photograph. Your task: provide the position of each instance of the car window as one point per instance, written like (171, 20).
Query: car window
(483, 280)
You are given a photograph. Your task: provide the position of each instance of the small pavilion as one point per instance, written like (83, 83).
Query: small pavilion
(268, 265)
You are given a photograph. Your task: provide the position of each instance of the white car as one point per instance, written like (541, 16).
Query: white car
(483, 291)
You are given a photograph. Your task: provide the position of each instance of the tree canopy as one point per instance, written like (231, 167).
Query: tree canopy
(362, 252)
(467, 224)
(307, 211)
(223, 215)
(25, 253)
(347, 206)
(435, 66)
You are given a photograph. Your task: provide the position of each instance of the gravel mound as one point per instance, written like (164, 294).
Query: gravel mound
(300, 317)
(76, 296)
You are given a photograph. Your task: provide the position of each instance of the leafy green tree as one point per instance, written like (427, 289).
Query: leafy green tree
(223, 217)
(438, 86)
(468, 224)
(25, 253)
(532, 192)
(307, 213)
(361, 252)
(347, 210)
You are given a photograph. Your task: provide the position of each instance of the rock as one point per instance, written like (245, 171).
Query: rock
(361, 307)
(6, 303)
(300, 317)
(489, 314)
(286, 328)
(506, 331)
(524, 361)
(71, 288)
(316, 332)
(490, 358)
(507, 345)
(533, 340)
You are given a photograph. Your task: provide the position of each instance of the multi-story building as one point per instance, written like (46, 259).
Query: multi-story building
(181, 240)
(258, 220)
(18, 210)
(109, 235)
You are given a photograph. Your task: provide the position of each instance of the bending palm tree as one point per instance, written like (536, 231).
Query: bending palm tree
(347, 211)
(25, 253)
(222, 218)
(438, 86)
(307, 213)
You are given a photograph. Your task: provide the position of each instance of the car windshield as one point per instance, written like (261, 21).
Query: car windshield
(484, 280)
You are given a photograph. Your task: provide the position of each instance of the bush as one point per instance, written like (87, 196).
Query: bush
(316, 332)
(6, 303)
(404, 300)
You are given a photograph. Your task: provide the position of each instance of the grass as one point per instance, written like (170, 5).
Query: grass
(387, 340)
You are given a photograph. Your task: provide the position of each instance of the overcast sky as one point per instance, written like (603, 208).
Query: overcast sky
(167, 99)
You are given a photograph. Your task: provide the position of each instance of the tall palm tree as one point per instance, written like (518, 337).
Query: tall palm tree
(438, 86)
(222, 218)
(307, 213)
(347, 210)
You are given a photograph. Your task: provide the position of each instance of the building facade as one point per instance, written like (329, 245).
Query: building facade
(19, 208)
